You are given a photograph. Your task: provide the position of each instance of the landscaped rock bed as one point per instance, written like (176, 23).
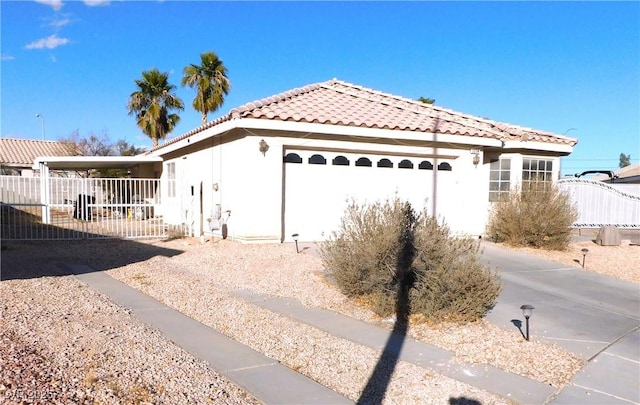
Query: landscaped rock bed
(81, 346)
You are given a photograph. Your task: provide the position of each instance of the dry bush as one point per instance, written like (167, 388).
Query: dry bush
(538, 215)
(450, 284)
(363, 255)
(384, 248)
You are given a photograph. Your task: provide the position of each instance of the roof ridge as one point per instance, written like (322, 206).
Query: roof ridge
(500, 129)
(420, 106)
(237, 111)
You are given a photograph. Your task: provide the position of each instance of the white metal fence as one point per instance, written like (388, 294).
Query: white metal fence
(602, 204)
(80, 208)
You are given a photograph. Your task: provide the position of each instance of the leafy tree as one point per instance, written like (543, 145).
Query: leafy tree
(152, 104)
(427, 100)
(211, 83)
(625, 160)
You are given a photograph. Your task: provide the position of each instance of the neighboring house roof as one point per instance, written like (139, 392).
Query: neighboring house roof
(628, 173)
(23, 152)
(335, 102)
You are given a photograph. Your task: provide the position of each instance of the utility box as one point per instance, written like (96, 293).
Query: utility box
(608, 235)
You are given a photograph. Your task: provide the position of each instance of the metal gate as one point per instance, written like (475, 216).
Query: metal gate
(602, 204)
(80, 208)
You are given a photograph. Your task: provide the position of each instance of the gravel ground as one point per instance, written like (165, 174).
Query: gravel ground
(68, 343)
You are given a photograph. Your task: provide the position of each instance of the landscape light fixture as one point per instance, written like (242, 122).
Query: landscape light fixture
(527, 311)
(584, 255)
(295, 239)
(264, 147)
(476, 156)
(38, 115)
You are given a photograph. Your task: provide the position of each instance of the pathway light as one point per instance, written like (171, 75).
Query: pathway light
(527, 311)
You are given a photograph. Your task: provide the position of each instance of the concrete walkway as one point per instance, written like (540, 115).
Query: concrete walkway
(489, 378)
(257, 374)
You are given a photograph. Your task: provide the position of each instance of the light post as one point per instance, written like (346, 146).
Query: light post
(584, 255)
(527, 311)
(295, 238)
(38, 115)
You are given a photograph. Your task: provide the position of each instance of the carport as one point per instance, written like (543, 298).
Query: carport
(60, 204)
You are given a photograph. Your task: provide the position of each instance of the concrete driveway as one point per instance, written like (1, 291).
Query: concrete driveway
(593, 316)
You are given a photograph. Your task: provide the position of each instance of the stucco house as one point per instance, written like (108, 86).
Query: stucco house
(288, 164)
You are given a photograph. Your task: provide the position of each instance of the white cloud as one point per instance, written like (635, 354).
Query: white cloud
(50, 42)
(57, 24)
(94, 3)
(6, 57)
(55, 4)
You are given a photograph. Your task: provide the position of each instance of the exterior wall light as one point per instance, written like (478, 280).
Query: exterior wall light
(476, 156)
(264, 147)
(216, 186)
(295, 239)
(584, 255)
(527, 311)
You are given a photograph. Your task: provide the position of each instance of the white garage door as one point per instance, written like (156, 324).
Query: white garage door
(318, 186)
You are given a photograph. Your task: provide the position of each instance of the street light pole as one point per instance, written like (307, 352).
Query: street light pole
(38, 115)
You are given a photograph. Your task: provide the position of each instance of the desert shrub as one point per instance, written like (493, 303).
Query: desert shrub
(537, 215)
(365, 253)
(450, 284)
(382, 248)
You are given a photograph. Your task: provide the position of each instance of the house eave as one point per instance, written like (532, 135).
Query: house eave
(92, 162)
(363, 132)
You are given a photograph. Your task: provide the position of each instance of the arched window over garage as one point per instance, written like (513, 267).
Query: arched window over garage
(317, 160)
(385, 163)
(363, 162)
(292, 158)
(405, 164)
(340, 161)
(444, 166)
(425, 165)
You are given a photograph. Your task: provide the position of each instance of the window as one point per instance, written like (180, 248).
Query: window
(499, 178)
(405, 164)
(363, 161)
(425, 165)
(317, 160)
(536, 170)
(171, 179)
(385, 163)
(340, 161)
(292, 158)
(444, 166)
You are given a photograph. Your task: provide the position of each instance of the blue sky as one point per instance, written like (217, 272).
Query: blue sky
(565, 67)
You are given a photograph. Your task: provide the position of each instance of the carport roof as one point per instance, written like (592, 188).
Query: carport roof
(343, 104)
(93, 162)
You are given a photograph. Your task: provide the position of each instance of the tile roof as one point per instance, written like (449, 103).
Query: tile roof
(22, 152)
(335, 102)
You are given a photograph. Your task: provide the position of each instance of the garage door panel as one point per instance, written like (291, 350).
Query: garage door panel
(316, 196)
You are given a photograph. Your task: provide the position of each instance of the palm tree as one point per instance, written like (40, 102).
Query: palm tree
(211, 82)
(152, 104)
